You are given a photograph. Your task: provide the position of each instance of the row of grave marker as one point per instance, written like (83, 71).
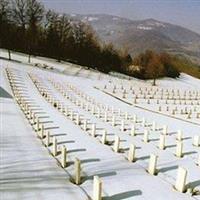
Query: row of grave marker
(153, 161)
(23, 102)
(154, 91)
(192, 111)
(179, 149)
(196, 140)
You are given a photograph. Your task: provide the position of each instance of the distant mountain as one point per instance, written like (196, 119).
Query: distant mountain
(137, 36)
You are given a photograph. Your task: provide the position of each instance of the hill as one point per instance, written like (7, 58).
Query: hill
(138, 36)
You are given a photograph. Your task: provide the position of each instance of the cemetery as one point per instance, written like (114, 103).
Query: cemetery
(104, 137)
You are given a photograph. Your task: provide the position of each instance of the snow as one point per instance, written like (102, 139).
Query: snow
(121, 179)
(144, 27)
(92, 19)
(150, 25)
(158, 24)
(27, 171)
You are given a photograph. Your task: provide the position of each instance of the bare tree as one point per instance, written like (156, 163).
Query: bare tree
(35, 14)
(155, 68)
(5, 28)
(50, 18)
(19, 9)
(57, 33)
(4, 7)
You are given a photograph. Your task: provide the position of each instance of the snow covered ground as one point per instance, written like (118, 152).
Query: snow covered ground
(28, 171)
(182, 103)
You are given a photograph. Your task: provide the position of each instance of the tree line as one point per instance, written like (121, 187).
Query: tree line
(27, 27)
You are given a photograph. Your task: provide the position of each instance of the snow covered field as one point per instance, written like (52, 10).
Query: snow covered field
(74, 107)
(179, 103)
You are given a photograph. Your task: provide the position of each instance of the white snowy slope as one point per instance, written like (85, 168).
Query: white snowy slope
(28, 171)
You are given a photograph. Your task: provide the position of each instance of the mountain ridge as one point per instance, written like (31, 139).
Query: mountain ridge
(138, 35)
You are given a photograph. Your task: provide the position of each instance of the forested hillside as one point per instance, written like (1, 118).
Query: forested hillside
(26, 26)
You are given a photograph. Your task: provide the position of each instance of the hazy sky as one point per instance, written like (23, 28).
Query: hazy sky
(181, 12)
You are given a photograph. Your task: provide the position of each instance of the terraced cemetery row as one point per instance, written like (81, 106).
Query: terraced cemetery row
(175, 102)
(116, 148)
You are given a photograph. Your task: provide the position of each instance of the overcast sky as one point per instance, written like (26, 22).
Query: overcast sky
(181, 12)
